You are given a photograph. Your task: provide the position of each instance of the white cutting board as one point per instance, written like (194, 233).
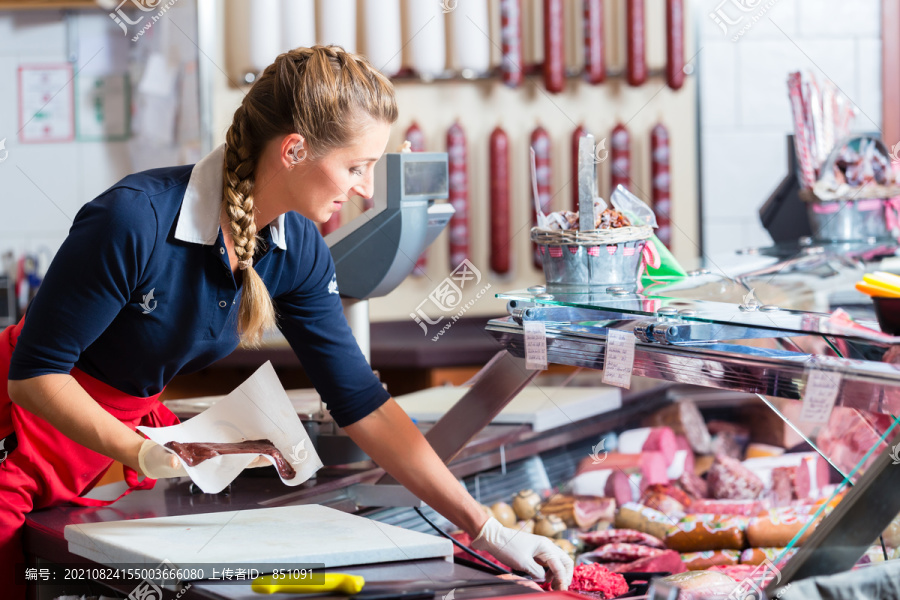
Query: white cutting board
(246, 538)
(542, 407)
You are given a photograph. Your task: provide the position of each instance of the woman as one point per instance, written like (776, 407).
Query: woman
(169, 269)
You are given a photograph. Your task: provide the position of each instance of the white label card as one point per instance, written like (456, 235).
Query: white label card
(535, 345)
(821, 391)
(619, 361)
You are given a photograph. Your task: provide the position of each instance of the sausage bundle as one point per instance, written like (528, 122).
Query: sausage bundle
(636, 70)
(554, 48)
(459, 194)
(675, 43)
(594, 59)
(511, 42)
(661, 179)
(620, 152)
(499, 199)
(540, 143)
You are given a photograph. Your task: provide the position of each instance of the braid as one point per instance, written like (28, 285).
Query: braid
(256, 313)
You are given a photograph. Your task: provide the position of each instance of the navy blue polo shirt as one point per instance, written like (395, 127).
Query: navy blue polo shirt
(141, 291)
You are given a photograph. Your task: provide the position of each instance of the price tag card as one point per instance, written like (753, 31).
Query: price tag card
(619, 360)
(535, 345)
(821, 391)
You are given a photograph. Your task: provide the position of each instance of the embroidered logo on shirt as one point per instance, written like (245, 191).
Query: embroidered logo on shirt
(149, 304)
(332, 286)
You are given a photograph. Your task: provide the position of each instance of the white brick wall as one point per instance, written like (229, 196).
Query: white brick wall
(744, 109)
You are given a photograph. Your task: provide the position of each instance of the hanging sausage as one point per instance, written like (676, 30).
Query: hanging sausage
(660, 172)
(338, 23)
(416, 140)
(427, 41)
(499, 202)
(298, 24)
(511, 42)
(554, 46)
(594, 62)
(459, 194)
(636, 42)
(675, 43)
(579, 133)
(540, 142)
(381, 19)
(620, 153)
(471, 36)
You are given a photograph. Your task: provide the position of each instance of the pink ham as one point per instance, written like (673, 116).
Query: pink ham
(693, 484)
(667, 561)
(741, 508)
(812, 476)
(661, 439)
(730, 480)
(588, 511)
(622, 552)
(653, 469)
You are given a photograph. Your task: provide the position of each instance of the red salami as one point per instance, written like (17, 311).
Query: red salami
(540, 143)
(459, 194)
(620, 152)
(613, 536)
(730, 480)
(554, 50)
(659, 150)
(594, 62)
(331, 224)
(637, 59)
(622, 487)
(622, 552)
(693, 484)
(511, 42)
(499, 201)
(740, 508)
(675, 43)
(579, 133)
(416, 140)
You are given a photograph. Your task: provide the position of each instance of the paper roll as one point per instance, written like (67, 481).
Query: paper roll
(383, 39)
(427, 39)
(471, 36)
(298, 24)
(337, 23)
(263, 47)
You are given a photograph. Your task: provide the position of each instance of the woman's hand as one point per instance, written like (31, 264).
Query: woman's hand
(525, 552)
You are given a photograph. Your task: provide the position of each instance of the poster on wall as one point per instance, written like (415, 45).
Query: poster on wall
(46, 103)
(103, 108)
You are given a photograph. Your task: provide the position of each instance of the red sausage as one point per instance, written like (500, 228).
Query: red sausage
(511, 41)
(331, 224)
(416, 140)
(579, 133)
(594, 67)
(659, 157)
(499, 201)
(637, 59)
(554, 50)
(540, 141)
(459, 195)
(620, 169)
(675, 43)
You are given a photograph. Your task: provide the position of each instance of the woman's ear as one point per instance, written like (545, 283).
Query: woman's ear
(293, 150)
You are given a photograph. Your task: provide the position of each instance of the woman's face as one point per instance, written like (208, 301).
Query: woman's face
(319, 188)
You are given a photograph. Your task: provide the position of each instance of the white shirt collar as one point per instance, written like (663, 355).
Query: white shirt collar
(198, 221)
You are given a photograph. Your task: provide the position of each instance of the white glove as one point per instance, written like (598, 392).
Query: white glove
(158, 463)
(525, 552)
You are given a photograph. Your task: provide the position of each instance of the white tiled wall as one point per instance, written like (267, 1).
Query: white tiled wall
(744, 109)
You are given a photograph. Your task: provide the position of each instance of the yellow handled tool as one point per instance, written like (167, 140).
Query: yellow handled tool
(884, 280)
(304, 584)
(877, 290)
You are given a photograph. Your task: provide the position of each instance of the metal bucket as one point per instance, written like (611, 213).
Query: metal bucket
(601, 265)
(849, 220)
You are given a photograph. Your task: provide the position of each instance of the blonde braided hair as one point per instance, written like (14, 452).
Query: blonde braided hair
(324, 94)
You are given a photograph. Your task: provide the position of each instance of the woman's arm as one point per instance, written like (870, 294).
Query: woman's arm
(393, 441)
(62, 402)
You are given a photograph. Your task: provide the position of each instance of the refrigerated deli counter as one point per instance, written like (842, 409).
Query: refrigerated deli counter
(828, 379)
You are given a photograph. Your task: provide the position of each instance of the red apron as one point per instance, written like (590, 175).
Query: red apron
(47, 468)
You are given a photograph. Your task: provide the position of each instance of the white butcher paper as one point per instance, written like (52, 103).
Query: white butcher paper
(257, 409)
